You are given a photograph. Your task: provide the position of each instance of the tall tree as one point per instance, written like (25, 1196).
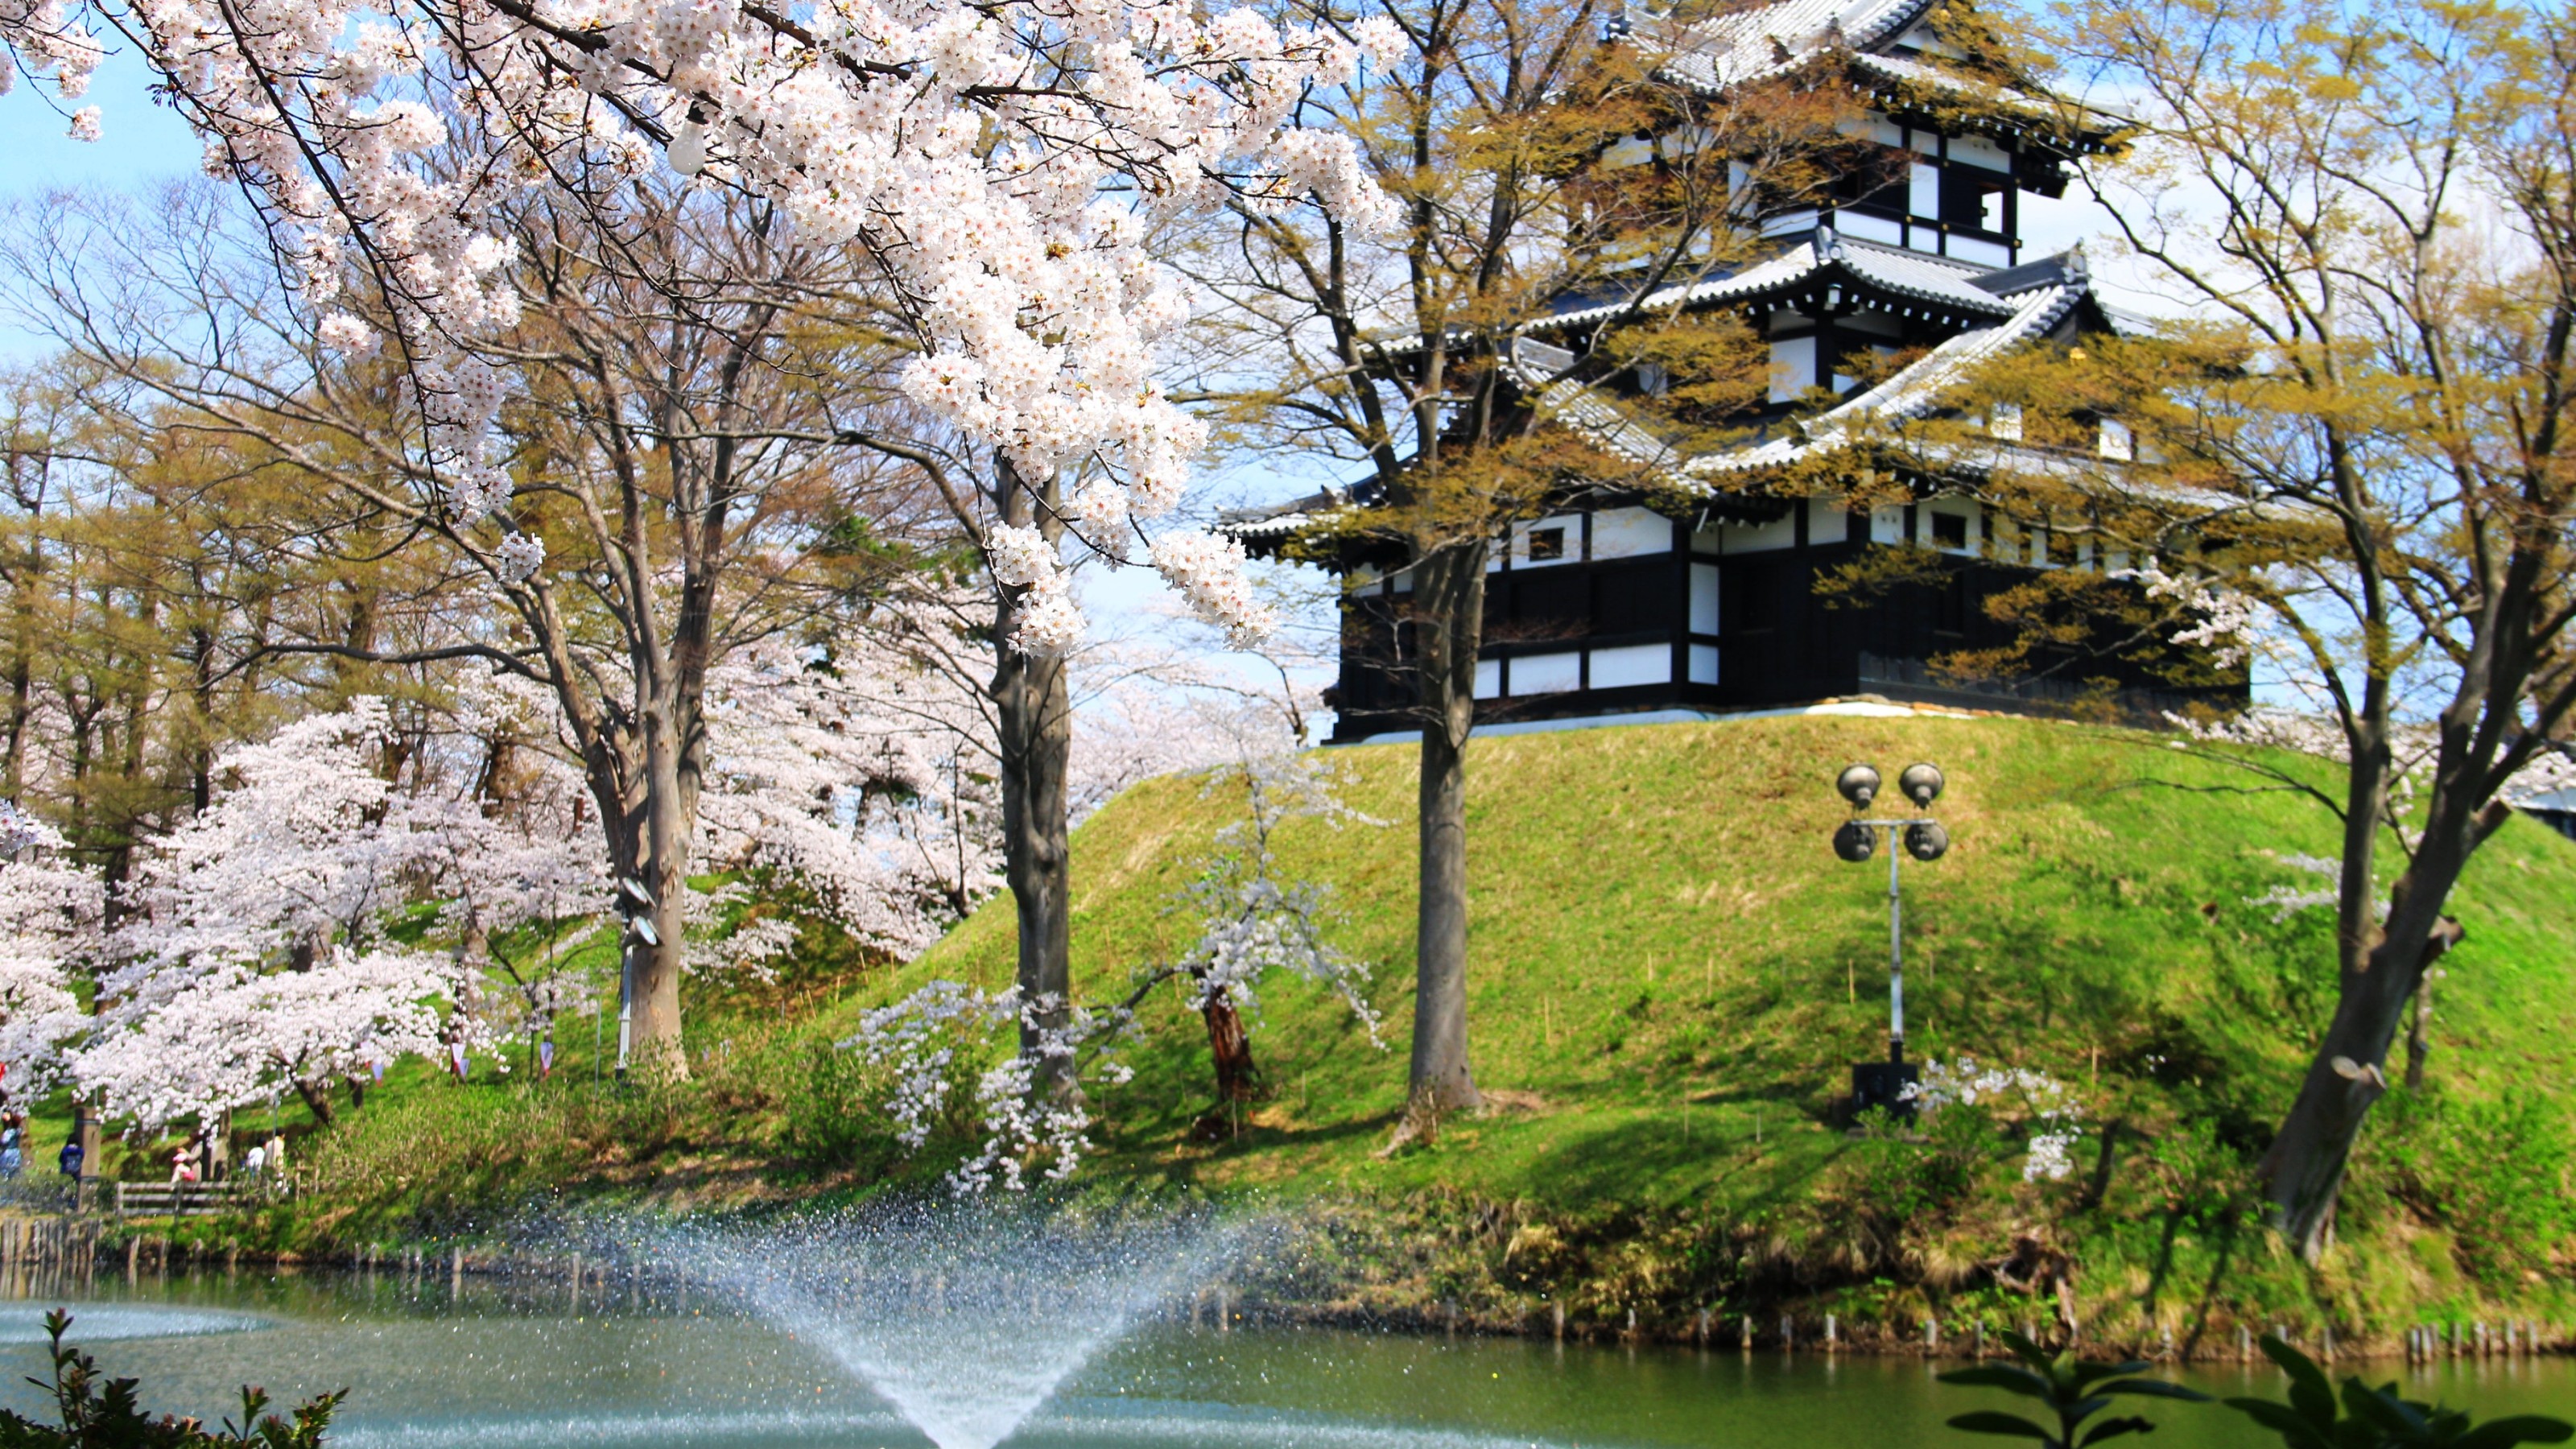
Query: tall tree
(665, 482)
(2353, 458)
(994, 168)
(1541, 158)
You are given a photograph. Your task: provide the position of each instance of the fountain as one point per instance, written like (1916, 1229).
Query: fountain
(964, 1317)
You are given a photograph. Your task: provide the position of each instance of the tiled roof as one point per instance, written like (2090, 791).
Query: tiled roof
(1955, 284)
(2036, 297)
(1786, 269)
(1748, 45)
(2043, 295)
(1914, 391)
(1915, 274)
(1283, 521)
(1770, 40)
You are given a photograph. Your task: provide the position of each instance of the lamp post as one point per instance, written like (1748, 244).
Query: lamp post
(1881, 1084)
(635, 903)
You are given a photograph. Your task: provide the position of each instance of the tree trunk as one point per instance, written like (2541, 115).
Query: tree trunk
(1035, 718)
(317, 1097)
(2419, 1021)
(2303, 1171)
(1449, 596)
(660, 852)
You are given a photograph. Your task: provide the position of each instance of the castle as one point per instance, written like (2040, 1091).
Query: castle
(1697, 595)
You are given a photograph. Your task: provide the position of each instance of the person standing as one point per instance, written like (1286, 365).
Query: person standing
(276, 1160)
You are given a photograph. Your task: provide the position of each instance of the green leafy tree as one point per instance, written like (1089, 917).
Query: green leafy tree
(1513, 135)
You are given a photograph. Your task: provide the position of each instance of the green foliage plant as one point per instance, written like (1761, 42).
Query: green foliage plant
(2366, 1418)
(101, 1413)
(2072, 1390)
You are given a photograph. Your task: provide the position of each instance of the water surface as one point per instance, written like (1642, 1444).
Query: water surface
(535, 1365)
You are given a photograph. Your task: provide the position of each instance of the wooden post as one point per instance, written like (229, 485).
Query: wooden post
(1556, 1318)
(1931, 1336)
(1830, 1338)
(1744, 1334)
(2244, 1344)
(1702, 1331)
(1632, 1324)
(1788, 1333)
(1977, 1335)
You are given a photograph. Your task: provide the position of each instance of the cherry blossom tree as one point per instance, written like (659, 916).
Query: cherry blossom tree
(50, 919)
(253, 961)
(862, 773)
(1254, 919)
(995, 170)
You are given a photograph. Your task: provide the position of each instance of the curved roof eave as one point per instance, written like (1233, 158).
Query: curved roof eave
(1825, 259)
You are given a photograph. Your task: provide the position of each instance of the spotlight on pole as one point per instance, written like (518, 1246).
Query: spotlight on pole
(1882, 1084)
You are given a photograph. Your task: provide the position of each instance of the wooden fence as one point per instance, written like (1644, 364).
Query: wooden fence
(188, 1199)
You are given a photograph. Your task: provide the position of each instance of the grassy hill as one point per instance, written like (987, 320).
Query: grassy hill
(1672, 973)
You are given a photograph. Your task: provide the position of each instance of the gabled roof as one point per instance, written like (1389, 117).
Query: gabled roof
(2026, 303)
(1822, 260)
(2031, 299)
(1767, 40)
(1764, 41)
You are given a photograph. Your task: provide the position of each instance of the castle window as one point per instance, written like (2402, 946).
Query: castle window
(1546, 543)
(1949, 530)
(1973, 199)
(1793, 367)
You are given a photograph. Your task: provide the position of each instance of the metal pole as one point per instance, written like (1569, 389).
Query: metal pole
(1895, 950)
(625, 1002)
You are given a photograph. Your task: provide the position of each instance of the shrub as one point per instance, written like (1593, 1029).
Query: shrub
(2496, 1173)
(836, 1117)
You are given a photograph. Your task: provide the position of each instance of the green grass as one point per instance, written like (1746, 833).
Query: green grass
(1665, 950)
(1671, 975)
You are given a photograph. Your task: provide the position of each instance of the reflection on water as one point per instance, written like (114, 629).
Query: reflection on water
(107, 1322)
(535, 1365)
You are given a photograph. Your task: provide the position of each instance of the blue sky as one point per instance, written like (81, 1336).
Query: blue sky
(141, 141)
